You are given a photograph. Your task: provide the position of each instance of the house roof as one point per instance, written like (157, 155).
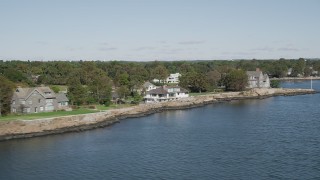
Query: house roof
(61, 97)
(159, 90)
(254, 73)
(164, 90)
(24, 93)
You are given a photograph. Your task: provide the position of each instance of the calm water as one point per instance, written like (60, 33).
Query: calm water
(274, 138)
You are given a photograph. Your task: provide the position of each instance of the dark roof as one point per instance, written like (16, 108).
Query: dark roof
(61, 97)
(159, 90)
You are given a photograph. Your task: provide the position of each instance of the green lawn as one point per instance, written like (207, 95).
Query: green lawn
(112, 106)
(61, 113)
(46, 114)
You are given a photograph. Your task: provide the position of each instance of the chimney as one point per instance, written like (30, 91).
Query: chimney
(258, 69)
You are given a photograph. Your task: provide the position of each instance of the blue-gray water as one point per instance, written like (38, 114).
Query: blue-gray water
(274, 138)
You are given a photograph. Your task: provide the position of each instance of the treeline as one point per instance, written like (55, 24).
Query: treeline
(92, 81)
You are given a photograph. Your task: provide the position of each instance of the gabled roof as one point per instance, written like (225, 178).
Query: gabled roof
(24, 93)
(159, 90)
(254, 73)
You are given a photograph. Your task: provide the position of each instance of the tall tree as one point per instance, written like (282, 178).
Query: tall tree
(193, 81)
(6, 92)
(77, 94)
(160, 72)
(236, 80)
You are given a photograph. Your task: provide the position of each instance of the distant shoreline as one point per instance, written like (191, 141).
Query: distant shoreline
(295, 78)
(31, 128)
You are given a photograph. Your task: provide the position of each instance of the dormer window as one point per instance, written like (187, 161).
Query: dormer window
(47, 93)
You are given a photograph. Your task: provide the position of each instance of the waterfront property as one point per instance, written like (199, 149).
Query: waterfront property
(38, 99)
(256, 79)
(165, 93)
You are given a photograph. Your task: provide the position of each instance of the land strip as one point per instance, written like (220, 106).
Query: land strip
(55, 125)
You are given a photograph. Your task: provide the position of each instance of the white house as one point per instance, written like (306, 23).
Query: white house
(173, 78)
(165, 93)
(256, 79)
(147, 86)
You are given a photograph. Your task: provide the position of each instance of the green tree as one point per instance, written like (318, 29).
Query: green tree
(6, 92)
(195, 82)
(123, 92)
(160, 72)
(236, 80)
(298, 68)
(275, 83)
(213, 78)
(77, 94)
(100, 87)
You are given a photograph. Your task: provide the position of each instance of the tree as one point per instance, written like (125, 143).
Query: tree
(275, 83)
(100, 87)
(76, 92)
(6, 92)
(213, 78)
(298, 68)
(236, 80)
(160, 72)
(123, 92)
(195, 82)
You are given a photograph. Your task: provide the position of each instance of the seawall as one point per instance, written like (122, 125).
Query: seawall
(39, 127)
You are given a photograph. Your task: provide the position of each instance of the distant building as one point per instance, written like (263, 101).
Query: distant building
(173, 78)
(289, 72)
(256, 79)
(38, 99)
(165, 93)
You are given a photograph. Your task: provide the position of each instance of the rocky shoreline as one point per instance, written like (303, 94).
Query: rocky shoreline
(40, 127)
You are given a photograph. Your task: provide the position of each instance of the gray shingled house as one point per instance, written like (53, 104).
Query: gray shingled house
(256, 79)
(37, 99)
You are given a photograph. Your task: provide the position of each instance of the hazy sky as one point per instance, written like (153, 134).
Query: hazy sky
(146, 30)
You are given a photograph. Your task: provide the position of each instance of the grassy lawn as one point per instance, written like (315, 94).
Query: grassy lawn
(46, 114)
(112, 106)
(61, 113)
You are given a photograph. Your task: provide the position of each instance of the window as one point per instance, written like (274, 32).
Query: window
(14, 110)
(39, 100)
(13, 102)
(23, 102)
(41, 108)
(27, 110)
(49, 100)
(30, 101)
(49, 108)
(47, 93)
(63, 103)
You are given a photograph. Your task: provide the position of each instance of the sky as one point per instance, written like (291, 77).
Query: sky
(148, 30)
